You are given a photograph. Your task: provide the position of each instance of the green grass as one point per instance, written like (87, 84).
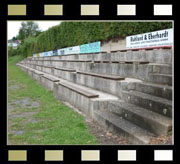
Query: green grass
(15, 59)
(54, 123)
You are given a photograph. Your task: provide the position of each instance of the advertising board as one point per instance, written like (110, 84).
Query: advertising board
(69, 50)
(91, 47)
(151, 39)
(34, 55)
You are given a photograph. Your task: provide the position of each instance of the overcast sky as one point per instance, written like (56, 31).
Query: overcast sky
(13, 26)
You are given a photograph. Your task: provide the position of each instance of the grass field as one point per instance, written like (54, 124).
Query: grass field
(36, 117)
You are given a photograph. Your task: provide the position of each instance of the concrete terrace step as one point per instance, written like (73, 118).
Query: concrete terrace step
(131, 132)
(100, 61)
(162, 68)
(48, 81)
(65, 69)
(102, 95)
(105, 84)
(153, 122)
(157, 56)
(39, 73)
(75, 60)
(83, 98)
(58, 68)
(160, 78)
(31, 69)
(79, 90)
(154, 103)
(28, 68)
(159, 90)
(139, 71)
(51, 78)
(59, 60)
(47, 66)
(20, 64)
(121, 62)
(25, 67)
(37, 64)
(112, 77)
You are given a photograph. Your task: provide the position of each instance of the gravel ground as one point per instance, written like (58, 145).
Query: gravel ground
(104, 136)
(162, 140)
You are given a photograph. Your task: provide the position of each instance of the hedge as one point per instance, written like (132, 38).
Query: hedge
(75, 33)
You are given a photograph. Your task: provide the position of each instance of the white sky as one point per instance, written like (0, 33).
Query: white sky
(13, 26)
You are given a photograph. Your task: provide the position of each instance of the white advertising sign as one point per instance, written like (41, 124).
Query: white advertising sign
(69, 50)
(151, 39)
(72, 50)
(44, 54)
(50, 53)
(61, 51)
(41, 54)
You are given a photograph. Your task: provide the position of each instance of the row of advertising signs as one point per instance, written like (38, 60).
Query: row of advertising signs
(154, 39)
(94, 47)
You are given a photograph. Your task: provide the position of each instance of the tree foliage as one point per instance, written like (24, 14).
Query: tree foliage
(14, 38)
(28, 29)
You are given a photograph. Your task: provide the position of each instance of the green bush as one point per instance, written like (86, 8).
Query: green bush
(75, 33)
(11, 51)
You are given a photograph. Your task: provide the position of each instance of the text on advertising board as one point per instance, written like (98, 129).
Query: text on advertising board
(151, 39)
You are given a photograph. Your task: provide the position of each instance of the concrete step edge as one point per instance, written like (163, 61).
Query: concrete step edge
(148, 96)
(144, 112)
(128, 128)
(162, 86)
(154, 122)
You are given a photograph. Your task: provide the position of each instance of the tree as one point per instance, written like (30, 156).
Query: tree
(14, 38)
(28, 29)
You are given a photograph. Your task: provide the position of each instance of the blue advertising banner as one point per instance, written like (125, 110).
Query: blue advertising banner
(49, 53)
(45, 53)
(91, 47)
